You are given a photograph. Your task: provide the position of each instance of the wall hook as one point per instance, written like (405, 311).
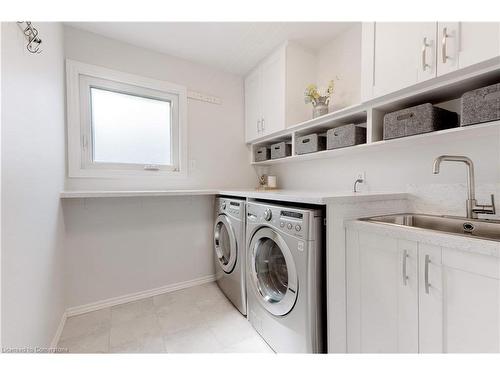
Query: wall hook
(31, 35)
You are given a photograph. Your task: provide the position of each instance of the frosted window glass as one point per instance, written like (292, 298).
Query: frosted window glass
(130, 129)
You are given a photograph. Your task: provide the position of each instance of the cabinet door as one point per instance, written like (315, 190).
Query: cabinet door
(404, 54)
(253, 109)
(448, 44)
(382, 298)
(273, 92)
(430, 299)
(461, 44)
(479, 41)
(471, 302)
(460, 312)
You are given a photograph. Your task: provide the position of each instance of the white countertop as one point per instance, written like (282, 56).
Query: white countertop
(298, 196)
(315, 197)
(133, 193)
(431, 237)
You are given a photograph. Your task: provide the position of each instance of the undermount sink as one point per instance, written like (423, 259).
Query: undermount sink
(477, 228)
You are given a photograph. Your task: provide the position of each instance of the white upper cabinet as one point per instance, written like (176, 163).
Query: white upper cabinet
(273, 73)
(274, 91)
(403, 55)
(399, 55)
(448, 47)
(253, 105)
(461, 44)
(426, 50)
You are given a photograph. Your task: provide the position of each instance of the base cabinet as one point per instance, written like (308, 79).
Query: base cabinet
(460, 310)
(430, 295)
(382, 304)
(405, 296)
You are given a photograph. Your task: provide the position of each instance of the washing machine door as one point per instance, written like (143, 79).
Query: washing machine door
(272, 272)
(225, 243)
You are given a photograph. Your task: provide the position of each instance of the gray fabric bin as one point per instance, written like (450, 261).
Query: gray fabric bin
(481, 105)
(310, 143)
(281, 150)
(422, 118)
(344, 136)
(262, 153)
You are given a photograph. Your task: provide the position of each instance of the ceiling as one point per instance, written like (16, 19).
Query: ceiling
(234, 47)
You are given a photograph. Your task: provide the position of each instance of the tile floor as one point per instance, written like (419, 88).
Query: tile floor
(193, 320)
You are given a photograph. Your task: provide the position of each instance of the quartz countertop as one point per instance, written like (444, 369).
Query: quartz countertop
(431, 237)
(298, 196)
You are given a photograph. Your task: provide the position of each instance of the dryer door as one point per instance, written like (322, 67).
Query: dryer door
(225, 243)
(272, 272)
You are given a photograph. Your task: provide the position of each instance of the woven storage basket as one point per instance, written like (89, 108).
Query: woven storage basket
(344, 136)
(310, 143)
(481, 105)
(262, 153)
(422, 118)
(281, 150)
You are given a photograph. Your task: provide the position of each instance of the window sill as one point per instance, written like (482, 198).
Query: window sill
(120, 174)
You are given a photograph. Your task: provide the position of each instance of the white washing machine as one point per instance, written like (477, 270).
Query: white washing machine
(229, 246)
(286, 277)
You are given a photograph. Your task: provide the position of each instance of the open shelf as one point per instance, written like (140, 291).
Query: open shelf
(444, 91)
(441, 89)
(397, 142)
(349, 115)
(344, 116)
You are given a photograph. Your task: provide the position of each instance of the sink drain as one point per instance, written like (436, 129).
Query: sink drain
(468, 227)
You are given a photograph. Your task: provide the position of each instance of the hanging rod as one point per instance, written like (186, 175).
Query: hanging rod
(31, 35)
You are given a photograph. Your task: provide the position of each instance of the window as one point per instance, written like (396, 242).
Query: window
(123, 125)
(130, 129)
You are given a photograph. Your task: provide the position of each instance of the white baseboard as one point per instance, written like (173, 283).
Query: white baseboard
(59, 330)
(77, 310)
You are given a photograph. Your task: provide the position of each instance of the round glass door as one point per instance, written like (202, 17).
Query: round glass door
(225, 244)
(273, 272)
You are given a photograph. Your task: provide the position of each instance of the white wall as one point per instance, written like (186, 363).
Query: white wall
(120, 246)
(393, 167)
(214, 130)
(342, 58)
(32, 177)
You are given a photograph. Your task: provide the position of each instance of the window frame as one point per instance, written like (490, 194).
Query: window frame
(80, 78)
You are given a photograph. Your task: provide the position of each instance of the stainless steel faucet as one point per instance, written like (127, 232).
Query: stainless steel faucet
(473, 209)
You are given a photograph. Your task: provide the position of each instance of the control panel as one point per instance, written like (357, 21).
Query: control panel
(232, 207)
(292, 221)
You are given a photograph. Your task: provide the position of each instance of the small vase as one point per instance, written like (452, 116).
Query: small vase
(320, 108)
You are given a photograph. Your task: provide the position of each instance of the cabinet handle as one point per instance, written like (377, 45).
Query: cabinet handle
(426, 273)
(443, 45)
(424, 47)
(405, 275)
